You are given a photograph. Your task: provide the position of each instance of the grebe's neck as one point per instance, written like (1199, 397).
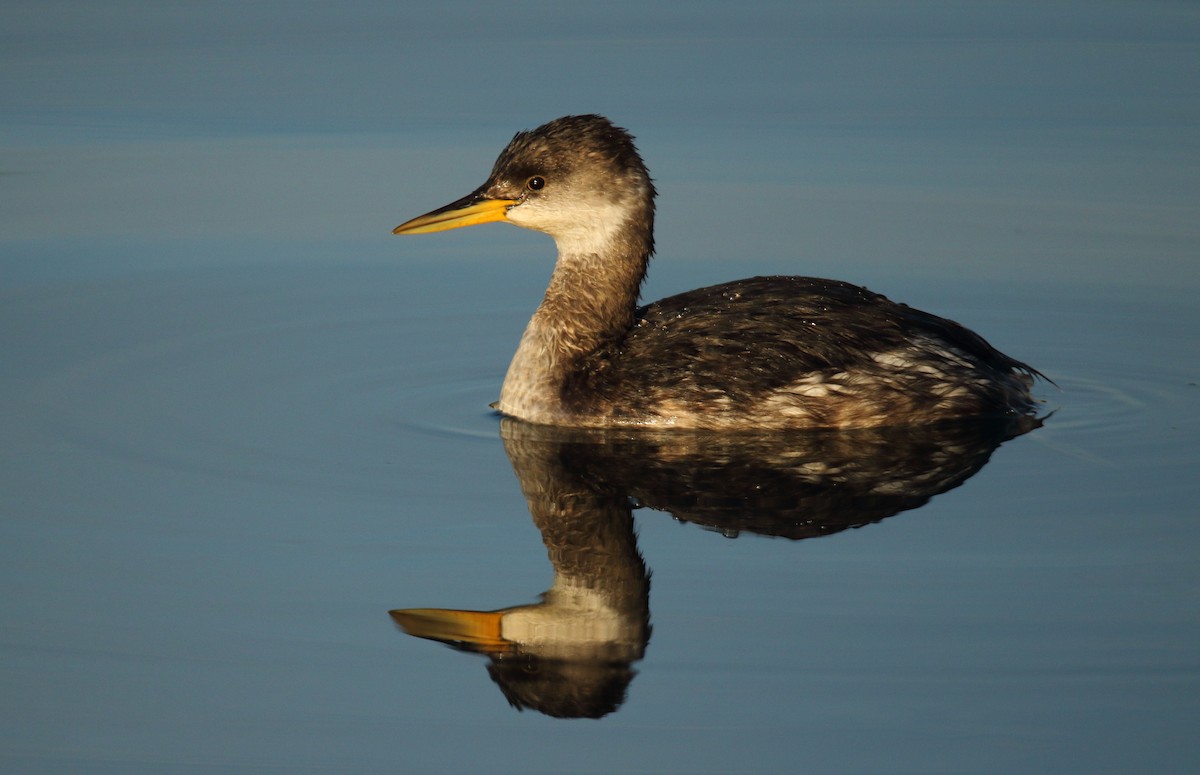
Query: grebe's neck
(590, 302)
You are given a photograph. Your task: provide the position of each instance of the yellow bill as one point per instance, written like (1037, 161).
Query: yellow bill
(468, 211)
(477, 630)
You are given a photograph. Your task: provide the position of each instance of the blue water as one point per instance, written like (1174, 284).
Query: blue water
(242, 422)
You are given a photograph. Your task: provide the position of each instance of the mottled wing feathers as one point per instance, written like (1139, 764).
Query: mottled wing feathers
(744, 340)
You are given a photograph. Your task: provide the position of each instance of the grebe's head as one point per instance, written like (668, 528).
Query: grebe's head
(578, 178)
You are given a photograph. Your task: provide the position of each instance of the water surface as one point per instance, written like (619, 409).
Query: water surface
(242, 422)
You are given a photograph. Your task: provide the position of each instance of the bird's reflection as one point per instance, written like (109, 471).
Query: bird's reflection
(571, 654)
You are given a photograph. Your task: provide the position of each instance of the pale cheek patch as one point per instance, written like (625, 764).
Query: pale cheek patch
(582, 220)
(590, 235)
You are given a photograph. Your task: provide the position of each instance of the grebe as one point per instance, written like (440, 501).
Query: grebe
(761, 353)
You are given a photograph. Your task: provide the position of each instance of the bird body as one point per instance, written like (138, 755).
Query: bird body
(760, 353)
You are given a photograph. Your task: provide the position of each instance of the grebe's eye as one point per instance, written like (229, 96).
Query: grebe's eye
(536, 183)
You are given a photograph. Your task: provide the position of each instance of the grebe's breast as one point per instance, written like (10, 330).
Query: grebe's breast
(792, 352)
